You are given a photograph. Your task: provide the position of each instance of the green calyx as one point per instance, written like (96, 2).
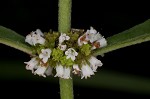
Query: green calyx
(57, 54)
(51, 39)
(66, 62)
(86, 49)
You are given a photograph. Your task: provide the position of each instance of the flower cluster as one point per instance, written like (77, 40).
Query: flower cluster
(65, 53)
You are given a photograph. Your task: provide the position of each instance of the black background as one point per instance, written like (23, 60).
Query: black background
(24, 16)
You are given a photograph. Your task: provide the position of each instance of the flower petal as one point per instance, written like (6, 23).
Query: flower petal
(59, 71)
(86, 71)
(48, 71)
(76, 69)
(66, 74)
(40, 71)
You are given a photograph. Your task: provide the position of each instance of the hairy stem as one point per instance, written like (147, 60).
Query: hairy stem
(64, 16)
(66, 88)
(64, 24)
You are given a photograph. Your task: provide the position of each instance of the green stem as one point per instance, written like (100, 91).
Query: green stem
(64, 16)
(64, 25)
(66, 88)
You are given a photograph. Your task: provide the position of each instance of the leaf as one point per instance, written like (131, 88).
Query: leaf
(12, 39)
(137, 34)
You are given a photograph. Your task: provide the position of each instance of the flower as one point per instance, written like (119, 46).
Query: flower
(82, 40)
(92, 30)
(86, 71)
(100, 43)
(32, 64)
(95, 63)
(71, 53)
(40, 71)
(59, 71)
(48, 71)
(45, 54)
(52, 50)
(63, 37)
(39, 32)
(62, 47)
(66, 74)
(29, 39)
(35, 38)
(76, 69)
(92, 35)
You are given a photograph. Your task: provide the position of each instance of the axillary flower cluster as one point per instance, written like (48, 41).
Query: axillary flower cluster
(60, 54)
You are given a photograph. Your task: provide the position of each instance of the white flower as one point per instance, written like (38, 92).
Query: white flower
(100, 43)
(95, 63)
(66, 74)
(35, 38)
(45, 54)
(76, 69)
(63, 37)
(62, 47)
(92, 35)
(29, 39)
(71, 53)
(86, 71)
(92, 30)
(82, 40)
(59, 71)
(40, 71)
(48, 71)
(39, 32)
(32, 64)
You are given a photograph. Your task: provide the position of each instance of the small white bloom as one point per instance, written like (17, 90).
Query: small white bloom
(71, 53)
(59, 71)
(66, 74)
(32, 64)
(62, 47)
(92, 35)
(45, 54)
(63, 37)
(39, 32)
(29, 39)
(86, 71)
(35, 38)
(48, 71)
(100, 43)
(76, 69)
(92, 30)
(82, 40)
(95, 63)
(40, 71)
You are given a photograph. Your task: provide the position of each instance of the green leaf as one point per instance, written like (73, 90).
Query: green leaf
(137, 34)
(12, 39)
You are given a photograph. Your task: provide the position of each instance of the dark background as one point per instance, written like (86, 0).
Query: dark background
(24, 16)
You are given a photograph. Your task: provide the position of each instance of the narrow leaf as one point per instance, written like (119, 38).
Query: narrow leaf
(137, 34)
(12, 39)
